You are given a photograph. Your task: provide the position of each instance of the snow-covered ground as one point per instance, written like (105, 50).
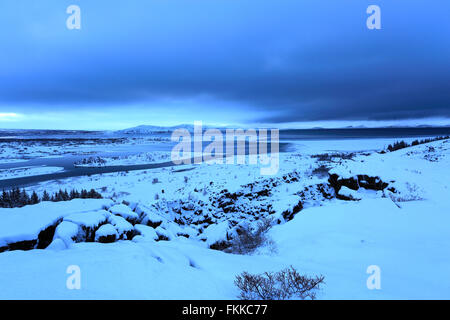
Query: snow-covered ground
(27, 171)
(173, 215)
(7, 161)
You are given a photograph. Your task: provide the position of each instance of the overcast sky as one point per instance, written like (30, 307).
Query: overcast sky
(277, 62)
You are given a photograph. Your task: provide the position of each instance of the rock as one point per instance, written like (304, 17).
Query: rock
(163, 234)
(57, 244)
(348, 194)
(23, 245)
(34, 226)
(148, 233)
(45, 237)
(106, 234)
(220, 245)
(89, 222)
(152, 220)
(139, 238)
(124, 229)
(216, 233)
(354, 183)
(68, 232)
(125, 212)
(288, 215)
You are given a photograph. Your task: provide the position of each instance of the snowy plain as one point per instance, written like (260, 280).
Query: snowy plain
(28, 171)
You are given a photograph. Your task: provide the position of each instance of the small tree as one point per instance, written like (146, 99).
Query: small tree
(94, 194)
(24, 199)
(45, 196)
(83, 194)
(65, 195)
(34, 198)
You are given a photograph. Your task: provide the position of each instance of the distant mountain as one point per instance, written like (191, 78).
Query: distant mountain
(146, 129)
(149, 129)
(356, 127)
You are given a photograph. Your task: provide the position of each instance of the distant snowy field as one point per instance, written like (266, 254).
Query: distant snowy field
(27, 171)
(173, 215)
(140, 158)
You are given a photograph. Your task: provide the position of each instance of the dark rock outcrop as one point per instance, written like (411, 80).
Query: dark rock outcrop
(45, 237)
(220, 245)
(43, 240)
(107, 239)
(354, 183)
(23, 245)
(288, 215)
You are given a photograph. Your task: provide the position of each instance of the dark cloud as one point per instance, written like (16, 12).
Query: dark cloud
(289, 61)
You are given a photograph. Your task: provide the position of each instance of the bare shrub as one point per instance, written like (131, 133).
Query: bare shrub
(249, 239)
(281, 285)
(412, 193)
(320, 171)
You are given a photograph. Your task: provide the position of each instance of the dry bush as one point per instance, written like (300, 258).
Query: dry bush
(412, 193)
(249, 239)
(320, 171)
(283, 285)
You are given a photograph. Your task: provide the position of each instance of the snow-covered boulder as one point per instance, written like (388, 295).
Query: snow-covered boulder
(125, 212)
(164, 234)
(148, 233)
(33, 226)
(89, 219)
(348, 194)
(139, 238)
(215, 233)
(125, 229)
(151, 219)
(67, 231)
(339, 178)
(106, 234)
(291, 204)
(56, 245)
(89, 222)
